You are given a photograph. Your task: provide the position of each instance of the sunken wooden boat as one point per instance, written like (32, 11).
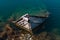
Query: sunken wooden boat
(30, 23)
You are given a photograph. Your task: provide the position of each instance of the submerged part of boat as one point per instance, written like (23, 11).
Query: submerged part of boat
(36, 21)
(28, 22)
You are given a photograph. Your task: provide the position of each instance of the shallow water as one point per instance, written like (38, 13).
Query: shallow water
(8, 7)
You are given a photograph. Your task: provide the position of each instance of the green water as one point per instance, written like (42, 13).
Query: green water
(53, 24)
(17, 8)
